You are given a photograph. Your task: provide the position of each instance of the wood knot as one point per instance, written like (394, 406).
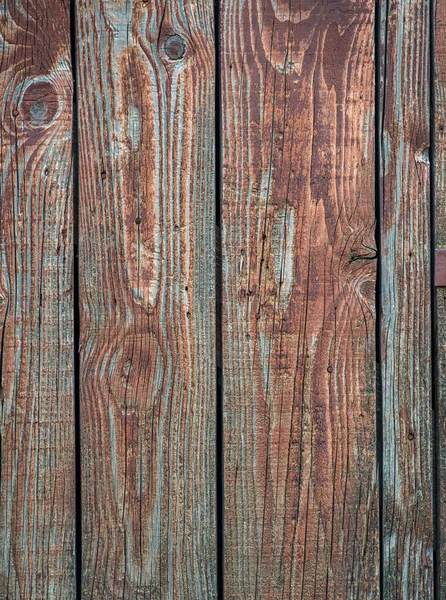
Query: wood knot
(39, 104)
(175, 47)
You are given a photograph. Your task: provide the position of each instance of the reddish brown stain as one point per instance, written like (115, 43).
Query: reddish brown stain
(301, 509)
(37, 487)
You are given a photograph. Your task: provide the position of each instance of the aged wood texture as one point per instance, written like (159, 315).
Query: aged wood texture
(147, 294)
(440, 244)
(37, 496)
(405, 297)
(299, 273)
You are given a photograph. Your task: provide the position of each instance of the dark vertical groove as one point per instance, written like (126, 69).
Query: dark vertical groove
(434, 349)
(379, 398)
(218, 311)
(76, 312)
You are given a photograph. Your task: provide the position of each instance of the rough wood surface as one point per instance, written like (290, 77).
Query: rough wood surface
(37, 508)
(405, 297)
(440, 243)
(299, 272)
(147, 293)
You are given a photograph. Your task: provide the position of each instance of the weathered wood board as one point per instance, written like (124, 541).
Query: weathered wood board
(147, 295)
(299, 274)
(328, 460)
(439, 83)
(405, 300)
(37, 491)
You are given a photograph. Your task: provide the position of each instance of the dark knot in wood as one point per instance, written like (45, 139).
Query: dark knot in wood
(175, 47)
(39, 104)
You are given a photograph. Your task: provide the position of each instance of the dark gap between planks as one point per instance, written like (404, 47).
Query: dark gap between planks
(76, 311)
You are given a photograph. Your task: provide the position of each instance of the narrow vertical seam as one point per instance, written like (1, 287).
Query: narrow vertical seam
(76, 311)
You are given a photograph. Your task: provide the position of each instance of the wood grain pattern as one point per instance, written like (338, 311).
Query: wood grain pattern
(299, 272)
(440, 296)
(147, 295)
(405, 297)
(37, 507)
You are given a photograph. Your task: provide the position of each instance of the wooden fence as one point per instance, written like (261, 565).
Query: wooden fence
(222, 347)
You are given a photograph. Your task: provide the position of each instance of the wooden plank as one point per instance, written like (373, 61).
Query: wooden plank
(147, 296)
(299, 272)
(405, 298)
(440, 296)
(37, 496)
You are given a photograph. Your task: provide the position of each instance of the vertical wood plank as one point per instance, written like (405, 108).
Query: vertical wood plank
(147, 293)
(440, 244)
(37, 496)
(299, 273)
(405, 298)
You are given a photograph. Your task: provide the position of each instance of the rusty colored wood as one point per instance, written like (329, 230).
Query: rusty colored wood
(405, 300)
(37, 495)
(440, 268)
(439, 83)
(299, 274)
(147, 299)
